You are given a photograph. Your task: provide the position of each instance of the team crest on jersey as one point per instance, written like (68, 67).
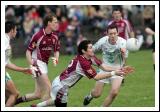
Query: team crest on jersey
(122, 24)
(90, 71)
(53, 40)
(44, 42)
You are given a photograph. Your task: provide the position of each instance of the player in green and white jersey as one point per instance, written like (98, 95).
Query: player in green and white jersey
(114, 53)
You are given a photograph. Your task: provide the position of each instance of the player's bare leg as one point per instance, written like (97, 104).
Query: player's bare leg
(153, 56)
(115, 87)
(45, 85)
(36, 94)
(12, 93)
(42, 90)
(95, 93)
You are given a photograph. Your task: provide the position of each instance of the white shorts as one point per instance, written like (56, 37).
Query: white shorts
(42, 66)
(59, 92)
(110, 79)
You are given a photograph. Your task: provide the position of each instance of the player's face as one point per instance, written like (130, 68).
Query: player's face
(117, 15)
(113, 35)
(89, 51)
(54, 24)
(14, 32)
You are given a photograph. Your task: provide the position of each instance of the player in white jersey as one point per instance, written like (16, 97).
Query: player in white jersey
(11, 92)
(80, 66)
(113, 50)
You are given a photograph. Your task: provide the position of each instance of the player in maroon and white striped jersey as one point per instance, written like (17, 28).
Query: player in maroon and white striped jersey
(80, 66)
(125, 29)
(38, 54)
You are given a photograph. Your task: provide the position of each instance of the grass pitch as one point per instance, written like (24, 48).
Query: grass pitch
(137, 91)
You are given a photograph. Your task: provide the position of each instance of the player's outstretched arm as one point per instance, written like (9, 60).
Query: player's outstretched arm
(14, 67)
(107, 68)
(127, 70)
(29, 57)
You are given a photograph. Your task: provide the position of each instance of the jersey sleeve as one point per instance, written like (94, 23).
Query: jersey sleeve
(123, 44)
(33, 42)
(128, 26)
(87, 69)
(123, 47)
(96, 61)
(98, 44)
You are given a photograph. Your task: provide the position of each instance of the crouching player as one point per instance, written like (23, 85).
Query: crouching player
(80, 66)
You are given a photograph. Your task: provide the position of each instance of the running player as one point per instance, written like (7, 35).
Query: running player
(38, 53)
(113, 50)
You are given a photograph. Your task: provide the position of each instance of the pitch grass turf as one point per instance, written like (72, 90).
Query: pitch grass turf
(137, 91)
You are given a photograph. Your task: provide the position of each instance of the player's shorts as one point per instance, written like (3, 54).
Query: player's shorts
(110, 79)
(42, 66)
(7, 77)
(127, 53)
(59, 92)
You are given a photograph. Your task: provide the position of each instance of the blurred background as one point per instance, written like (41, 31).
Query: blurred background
(76, 22)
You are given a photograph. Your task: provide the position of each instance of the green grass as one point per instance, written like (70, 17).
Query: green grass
(137, 91)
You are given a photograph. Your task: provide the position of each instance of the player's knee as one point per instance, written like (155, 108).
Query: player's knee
(114, 93)
(17, 94)
(96, 94)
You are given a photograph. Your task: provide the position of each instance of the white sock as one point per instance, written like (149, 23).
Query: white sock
(90, 96)
(49, 102)
(42, 104)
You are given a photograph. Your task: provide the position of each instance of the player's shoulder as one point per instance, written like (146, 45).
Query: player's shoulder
(121, 40)
(125, 20)
(83, 60)
(103, 39)
(55, 35)
(39, 34)
(111, 21)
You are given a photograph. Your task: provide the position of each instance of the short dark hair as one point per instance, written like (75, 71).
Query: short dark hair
(117, 9)
(83, 46)
(112, 26)
(9, 25)
(48, 18)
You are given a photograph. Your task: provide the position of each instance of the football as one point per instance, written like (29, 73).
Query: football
(132, 44)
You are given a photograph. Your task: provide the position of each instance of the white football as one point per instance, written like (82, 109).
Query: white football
(132, 44)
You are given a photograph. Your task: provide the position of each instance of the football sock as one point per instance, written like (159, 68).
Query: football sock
(21, 99)
(90, 96)
(49, 102)
(42, 104)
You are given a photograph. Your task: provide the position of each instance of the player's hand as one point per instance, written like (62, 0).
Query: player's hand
(119, 72)
(54, 61)
(127, 70)
(35, 71)
(27, 71)
(123, 52)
